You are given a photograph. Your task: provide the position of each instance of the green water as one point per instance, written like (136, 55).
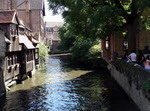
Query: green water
(59, 86)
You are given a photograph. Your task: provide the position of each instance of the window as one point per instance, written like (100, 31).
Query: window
(13, 29)
(10, 61)
(125, 45)
(107, 44)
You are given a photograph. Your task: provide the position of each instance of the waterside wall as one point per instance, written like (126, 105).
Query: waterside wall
(134, 80)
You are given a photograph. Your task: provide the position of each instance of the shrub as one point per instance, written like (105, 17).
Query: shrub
(43, 52)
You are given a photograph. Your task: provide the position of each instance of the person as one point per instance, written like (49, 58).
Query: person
(147, 63)
(140, 58)
(125, 57)
(133, 56)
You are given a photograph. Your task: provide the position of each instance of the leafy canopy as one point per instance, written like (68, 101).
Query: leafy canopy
(100, 18)
(81, 49)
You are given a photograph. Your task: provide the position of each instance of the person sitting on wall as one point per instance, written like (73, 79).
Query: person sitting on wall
(147, 63)
(140, 58)
(133, 56)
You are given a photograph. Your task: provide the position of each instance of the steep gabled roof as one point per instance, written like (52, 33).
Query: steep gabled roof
(7, 16)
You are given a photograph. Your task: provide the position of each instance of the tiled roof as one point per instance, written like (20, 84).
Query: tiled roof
(54, 24)
(7, 16)
(23, 39)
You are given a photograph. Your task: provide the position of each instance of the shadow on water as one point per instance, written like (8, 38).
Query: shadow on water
(64, 88)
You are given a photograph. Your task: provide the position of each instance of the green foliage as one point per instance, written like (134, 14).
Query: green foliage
(83, 50)
(95, 50)
(80, 49)
(99, 18)
(43, 52)
(67, 38)
(146, 84)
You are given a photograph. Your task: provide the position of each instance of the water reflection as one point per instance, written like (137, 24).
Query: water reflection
(57, 87)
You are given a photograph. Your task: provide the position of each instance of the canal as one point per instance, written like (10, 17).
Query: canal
(61, 86)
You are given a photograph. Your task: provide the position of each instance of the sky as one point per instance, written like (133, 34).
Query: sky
(50, 17)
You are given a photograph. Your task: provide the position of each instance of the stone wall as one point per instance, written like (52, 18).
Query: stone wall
(2, 58)
(131, 78)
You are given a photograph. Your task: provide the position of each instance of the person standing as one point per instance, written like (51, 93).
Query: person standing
(125, 57)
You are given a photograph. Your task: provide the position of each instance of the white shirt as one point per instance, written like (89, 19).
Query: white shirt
(133, 56)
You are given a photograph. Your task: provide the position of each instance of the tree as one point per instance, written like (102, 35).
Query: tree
(101, 18)
(67, 38)
(43, 52)
(82, 49)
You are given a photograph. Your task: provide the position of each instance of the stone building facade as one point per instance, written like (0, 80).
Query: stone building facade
(52, 37)
(8, 4)
(32, 12)
(18, 55)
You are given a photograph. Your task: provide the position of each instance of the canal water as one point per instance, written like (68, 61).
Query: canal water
(61, 86)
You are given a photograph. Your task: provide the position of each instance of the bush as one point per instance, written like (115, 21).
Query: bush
(43, 52)
(80, 49)
(95, 51)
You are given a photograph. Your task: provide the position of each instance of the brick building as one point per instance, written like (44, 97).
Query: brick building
(52, 38)
(8, 4)
(17, 47)
(32, 12)
(116, 44)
